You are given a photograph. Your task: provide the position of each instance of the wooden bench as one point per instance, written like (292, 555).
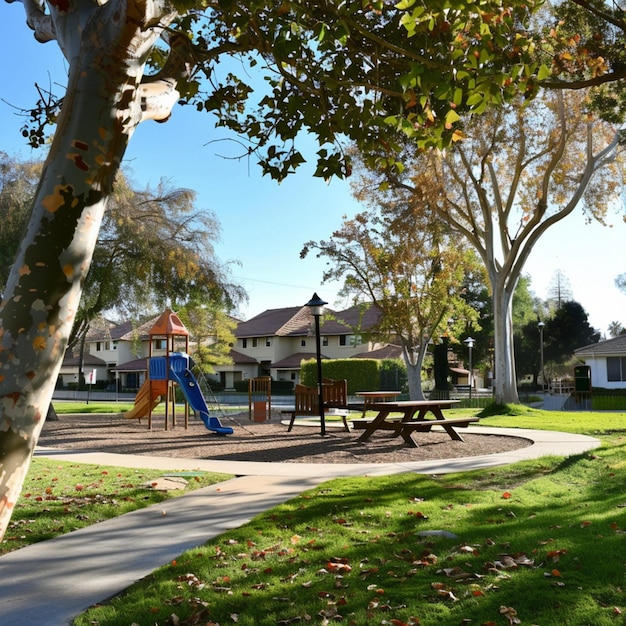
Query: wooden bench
(405, 418)
(334, 396)
(396, 423)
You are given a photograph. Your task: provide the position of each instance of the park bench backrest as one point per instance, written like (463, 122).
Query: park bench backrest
(306, 400)
(334, 393)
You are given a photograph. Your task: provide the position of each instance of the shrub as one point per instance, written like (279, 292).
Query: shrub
(361, 374)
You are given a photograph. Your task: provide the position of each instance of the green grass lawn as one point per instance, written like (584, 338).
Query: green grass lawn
(537, 542)
(59, 497)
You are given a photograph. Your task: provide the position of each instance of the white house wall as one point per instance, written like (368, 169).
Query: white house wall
(599, 374)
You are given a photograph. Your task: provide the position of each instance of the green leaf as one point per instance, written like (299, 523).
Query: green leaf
(544, 72)
(452, 116)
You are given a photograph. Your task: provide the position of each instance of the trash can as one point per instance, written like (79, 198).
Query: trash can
(582, 386)
(582, 379)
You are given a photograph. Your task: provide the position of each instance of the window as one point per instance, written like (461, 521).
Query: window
(98, 346)
(255, 342)
(244, 343)
(350, 340)
(268, 342)
(616, 368)
(303, 343)
(324, 341)
(160, 344)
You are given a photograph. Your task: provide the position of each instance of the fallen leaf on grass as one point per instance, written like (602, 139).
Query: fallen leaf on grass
(511, 614)
(444, 593)
(555, 555)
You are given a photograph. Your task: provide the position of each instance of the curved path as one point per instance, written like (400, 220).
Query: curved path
(53, 581)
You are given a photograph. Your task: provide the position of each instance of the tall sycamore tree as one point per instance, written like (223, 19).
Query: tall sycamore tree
(365, 70)
(520, 170)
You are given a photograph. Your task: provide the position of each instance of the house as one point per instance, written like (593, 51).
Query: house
(607, 360)
(275, 342)
(115, 354)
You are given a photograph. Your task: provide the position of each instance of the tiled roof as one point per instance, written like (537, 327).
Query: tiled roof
(72, 360)
(268, 323)
(126, 331)
(299, 324)
(363, 316)
(138, 365)
(386, 352)
(242, 359)
(297, 321)
(610, 347)
(292, 362)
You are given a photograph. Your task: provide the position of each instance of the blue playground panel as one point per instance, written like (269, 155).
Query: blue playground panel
(179, 362)
(157, 368)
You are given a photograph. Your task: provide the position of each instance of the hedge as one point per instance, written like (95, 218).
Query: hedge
(361, 374)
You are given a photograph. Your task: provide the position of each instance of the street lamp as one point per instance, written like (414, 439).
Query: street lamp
(469, 342)
(316, 308)
(541, 326)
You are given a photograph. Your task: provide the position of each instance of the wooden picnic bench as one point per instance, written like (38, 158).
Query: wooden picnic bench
(405, 418)
(334, 396)
(372, 397)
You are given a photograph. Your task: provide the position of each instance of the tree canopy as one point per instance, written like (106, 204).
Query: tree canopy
(155, 247)
(407, 265)
(364, 70)
(520, 169)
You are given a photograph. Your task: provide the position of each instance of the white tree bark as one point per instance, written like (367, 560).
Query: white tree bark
(414, 363)
(106, 48)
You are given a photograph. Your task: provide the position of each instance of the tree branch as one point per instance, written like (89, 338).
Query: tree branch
(37, 20)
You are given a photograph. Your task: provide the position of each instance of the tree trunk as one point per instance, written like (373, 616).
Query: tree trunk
(414, 364)
(505, 379)
(102, 107)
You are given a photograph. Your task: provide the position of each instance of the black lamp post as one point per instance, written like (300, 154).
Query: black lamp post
(316, 307)
(541, 326)
(469, 342)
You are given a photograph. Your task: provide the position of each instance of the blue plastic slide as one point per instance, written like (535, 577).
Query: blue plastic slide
(194, 397)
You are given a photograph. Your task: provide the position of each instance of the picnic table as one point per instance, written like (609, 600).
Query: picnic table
(372, 397)
(412, 418)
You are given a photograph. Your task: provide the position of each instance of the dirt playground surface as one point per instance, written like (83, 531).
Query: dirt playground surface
(267, 441)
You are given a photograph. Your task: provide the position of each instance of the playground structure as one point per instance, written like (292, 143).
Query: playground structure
(168, 371)
(260, 398)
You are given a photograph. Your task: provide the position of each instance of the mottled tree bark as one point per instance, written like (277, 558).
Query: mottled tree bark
(106, 47)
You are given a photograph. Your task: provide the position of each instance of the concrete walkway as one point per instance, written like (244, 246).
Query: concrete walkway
(52, 582)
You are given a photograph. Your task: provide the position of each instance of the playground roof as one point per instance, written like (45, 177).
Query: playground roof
(169, 324)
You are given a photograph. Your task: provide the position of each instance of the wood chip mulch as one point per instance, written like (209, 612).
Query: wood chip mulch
(260, 442)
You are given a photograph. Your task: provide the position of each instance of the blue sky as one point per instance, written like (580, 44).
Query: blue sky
(264, 224)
